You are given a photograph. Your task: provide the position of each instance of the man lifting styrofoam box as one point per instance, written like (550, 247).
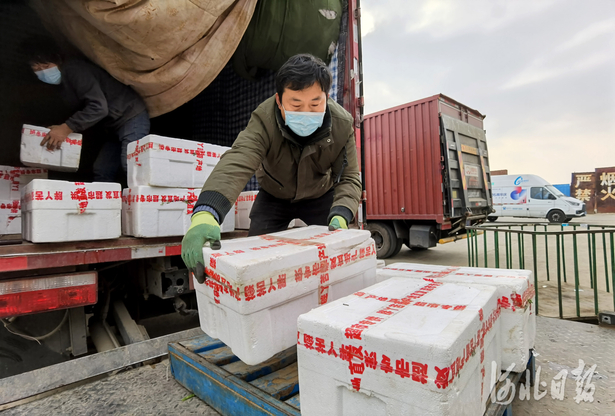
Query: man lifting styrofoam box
(401, 347)
(515, 293)
(258, 286)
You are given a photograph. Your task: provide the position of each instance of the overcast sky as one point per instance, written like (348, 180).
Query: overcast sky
(542, 71)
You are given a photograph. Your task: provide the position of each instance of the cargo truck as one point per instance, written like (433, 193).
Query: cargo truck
(426, 173)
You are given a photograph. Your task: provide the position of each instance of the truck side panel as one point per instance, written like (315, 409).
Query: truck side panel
(402, 162)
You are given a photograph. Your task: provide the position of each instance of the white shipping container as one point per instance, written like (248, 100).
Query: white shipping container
(171, 163)
(258, 286)
(515, 294)
(401, 347)
(33, 154)
(159, 212)
(55, 211)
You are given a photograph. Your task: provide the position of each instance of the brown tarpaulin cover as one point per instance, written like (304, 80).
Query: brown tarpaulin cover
(167, 50)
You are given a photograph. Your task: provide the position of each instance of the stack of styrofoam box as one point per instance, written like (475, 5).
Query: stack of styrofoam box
(256, 287)
(33, 154)
(55, 211)
(162, 167)
(12, 182)
(515, 292)
(160, 212)
(401, 347)
(243, 206)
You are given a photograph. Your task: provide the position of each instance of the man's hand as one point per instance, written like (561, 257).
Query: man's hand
(337, 223)
(56, 136)
(204, 229)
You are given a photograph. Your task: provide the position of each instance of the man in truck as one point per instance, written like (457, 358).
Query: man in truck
(301, 145)
(96, 98)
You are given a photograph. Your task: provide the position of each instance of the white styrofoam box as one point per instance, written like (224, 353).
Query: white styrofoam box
(33, 154)
(10, 217)
(171, 163)
(13, 179)
(161, 212)
(54, 211)
(243, 206)
(515, 291)
(258, 286)
(401, 347)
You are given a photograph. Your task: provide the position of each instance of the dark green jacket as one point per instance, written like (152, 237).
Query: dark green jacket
(287, 166)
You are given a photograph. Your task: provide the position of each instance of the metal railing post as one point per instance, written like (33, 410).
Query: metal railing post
(606, 264)
(576, 275)
(559, 279)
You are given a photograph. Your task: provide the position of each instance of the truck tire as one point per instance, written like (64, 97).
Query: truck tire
(492, 219)
(396, 248)
(556, 216)
(384, 236)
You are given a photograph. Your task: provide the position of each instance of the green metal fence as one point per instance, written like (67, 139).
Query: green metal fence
(573, 264)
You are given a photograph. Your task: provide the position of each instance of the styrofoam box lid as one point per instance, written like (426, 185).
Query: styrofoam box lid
(160, 147)
(74, 139)
(21, 172)
(514, 287)
(157, 197)
(425, 322)
(80, 196)
(247, 274)
(244, 260)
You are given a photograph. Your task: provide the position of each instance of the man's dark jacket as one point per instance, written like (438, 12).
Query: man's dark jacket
(287, 166)
(96, 97)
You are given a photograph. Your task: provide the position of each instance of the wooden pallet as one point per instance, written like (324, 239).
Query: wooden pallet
(210, 370)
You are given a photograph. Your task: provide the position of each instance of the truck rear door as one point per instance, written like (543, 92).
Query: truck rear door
(466, 177)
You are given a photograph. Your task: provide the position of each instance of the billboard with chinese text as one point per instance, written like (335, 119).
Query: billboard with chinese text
(605, 189)
(583, 188)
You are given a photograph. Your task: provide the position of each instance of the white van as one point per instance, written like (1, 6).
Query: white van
(530, 196)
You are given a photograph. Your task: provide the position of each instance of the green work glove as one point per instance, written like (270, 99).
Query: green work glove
(338, 222)
(204, 229)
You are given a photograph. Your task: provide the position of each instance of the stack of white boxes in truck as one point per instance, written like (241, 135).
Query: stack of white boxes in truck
(56, 211)
(165, 177)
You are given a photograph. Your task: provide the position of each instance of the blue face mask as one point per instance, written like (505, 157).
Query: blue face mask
(303, 123)
(50, 75)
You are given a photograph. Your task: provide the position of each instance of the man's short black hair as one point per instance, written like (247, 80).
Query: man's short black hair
(41, 50)
(301, 72)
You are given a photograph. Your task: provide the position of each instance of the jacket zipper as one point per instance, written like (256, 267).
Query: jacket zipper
(271, 176)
